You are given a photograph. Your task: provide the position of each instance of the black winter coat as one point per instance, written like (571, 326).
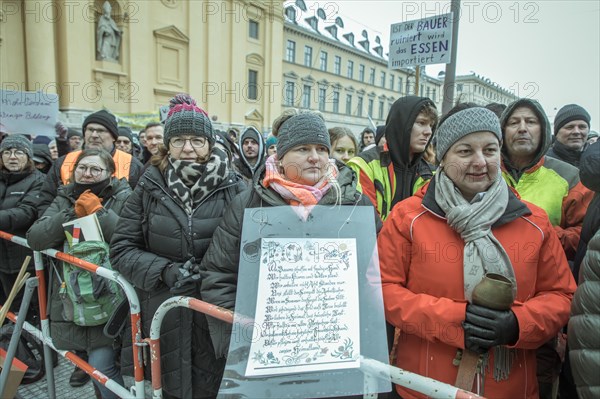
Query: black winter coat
(47, 232)
(18, 199)
(589, 173)
(155, 231)
(221, 262)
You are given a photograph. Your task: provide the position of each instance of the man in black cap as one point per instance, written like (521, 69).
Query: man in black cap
(75, 139)
(125, 140)
(571, 128)
(100, 132)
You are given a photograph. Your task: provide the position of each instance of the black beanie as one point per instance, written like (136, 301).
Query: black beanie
(568, 113)
(105, 119)
(124, 131)
(73, 132)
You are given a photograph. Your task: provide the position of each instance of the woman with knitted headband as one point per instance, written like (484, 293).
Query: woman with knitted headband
(20, 182)
(162, 236)
(299, 175)
(436, 248)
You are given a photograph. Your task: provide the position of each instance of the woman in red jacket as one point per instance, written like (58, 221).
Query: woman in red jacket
(436, 246)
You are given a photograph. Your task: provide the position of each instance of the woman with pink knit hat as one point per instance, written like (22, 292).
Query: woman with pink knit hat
(163, 234)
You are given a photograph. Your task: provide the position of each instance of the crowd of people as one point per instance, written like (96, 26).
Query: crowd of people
(478, 196)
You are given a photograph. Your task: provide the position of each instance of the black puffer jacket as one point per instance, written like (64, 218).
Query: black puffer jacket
(221, 262)
(589, 173)
(47, 232)
(18, 199)
(584, 340)
(154, 232)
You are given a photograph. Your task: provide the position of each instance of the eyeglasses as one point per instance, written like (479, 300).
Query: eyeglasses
(16, 153)
(196, 142)
(94, 170)
(94, 130)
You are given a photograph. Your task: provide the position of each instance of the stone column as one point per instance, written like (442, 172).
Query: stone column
(40, 16)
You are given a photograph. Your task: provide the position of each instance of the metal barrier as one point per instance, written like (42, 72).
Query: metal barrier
(137, 391)
(416, 382)
(401, 377)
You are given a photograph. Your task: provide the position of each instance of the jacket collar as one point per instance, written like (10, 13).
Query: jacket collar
(514, 210)
(566, 154)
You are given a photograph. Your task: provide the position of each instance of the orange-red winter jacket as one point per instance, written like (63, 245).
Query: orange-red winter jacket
(421, 261)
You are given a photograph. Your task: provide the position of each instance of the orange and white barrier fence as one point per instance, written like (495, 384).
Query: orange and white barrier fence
(136, 391)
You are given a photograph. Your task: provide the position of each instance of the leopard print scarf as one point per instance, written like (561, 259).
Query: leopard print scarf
(190, 182)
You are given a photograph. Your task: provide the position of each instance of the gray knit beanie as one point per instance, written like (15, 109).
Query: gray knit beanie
(186, 118)
(462, 123)
(305, 128)
(569, 113)
(18, 142)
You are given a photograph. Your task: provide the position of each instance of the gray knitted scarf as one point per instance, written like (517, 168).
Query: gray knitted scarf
(482, 253)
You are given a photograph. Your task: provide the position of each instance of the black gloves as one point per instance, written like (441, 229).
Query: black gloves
(485, 328)
(186, 286)
(181, 278)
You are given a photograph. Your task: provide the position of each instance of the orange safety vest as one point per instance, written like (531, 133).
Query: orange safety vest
(122, 165)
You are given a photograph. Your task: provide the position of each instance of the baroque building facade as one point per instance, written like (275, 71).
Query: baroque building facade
(243, 60)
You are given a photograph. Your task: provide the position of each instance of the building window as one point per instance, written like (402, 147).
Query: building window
(322, 97)
(306, 97)
(400, 87)
(361, 73)
(308, 56)
(350, 69)
(372, 76)
(383, 79)
(370, 110)
(290, 93)
(337, 65)
(434, 96)
(252, 84)
(290, 53)
(392, 81)
(253, 29)
(421, 90)
(459, 87)
(381, 105)
(348, 104)
(336, 102)
(290, 12)
(323, 61)
(359, 106)
(428, 92)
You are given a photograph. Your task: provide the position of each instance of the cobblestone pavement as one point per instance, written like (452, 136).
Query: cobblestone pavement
(62, 372)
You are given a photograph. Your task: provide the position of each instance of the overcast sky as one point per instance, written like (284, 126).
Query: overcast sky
(547, 50)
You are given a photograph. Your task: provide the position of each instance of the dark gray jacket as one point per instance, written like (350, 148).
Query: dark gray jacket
(48, 232)
(584, 326)
(18, 198)
(155, 231)
(221, 262)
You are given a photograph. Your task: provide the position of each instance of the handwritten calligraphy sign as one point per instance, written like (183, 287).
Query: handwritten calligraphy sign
(28, 112)
(307, 311)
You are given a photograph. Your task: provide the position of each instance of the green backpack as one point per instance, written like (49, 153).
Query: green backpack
(91, 299)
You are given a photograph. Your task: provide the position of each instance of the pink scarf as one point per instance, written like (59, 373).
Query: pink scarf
(301, 197)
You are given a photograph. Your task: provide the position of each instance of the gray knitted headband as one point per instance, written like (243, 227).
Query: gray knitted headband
(306, 128)
(462, 123)
(19, 142)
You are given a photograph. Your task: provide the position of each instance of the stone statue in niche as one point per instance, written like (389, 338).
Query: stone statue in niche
(108, 36)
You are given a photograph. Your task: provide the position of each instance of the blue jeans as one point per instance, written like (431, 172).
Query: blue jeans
(103, 360)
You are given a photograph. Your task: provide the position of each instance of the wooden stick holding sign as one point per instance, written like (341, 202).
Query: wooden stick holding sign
(19, 282)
